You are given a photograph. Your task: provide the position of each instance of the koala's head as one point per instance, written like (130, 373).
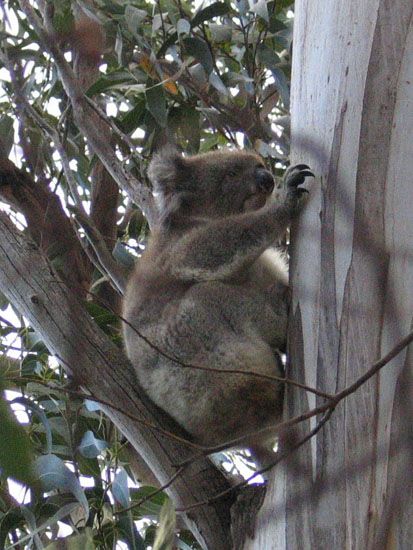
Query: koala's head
(213, 185)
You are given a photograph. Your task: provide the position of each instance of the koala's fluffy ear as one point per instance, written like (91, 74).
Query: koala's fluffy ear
(166, 170)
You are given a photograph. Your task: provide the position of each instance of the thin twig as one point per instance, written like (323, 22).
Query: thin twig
(328, 411)
(331, 404)
(81, 110)
(111, 267)
(91, 397)
(282, 456)
(101, 113)
(269, 377)
(116, 272)
(178, 473)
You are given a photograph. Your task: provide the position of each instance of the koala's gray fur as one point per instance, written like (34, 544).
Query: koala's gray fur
(210, 292)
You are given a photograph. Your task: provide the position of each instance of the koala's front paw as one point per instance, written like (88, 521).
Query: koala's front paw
(295, 176)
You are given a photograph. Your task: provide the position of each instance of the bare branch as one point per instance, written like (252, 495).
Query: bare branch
(49, 226)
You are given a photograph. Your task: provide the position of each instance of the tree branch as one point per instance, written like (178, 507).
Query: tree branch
(138, 192)
(48, 224)
(31, 284)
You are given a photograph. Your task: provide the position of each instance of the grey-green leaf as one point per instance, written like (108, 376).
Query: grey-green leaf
(156, 104)
(270, 59)
(54, 474)
(217, 83)
(129, 532)
(83, 541)
(183, 26)
(123, 256)
(220, 33)
(42, 417)
(92, 406)
(199, 49)
(165, 533)
(120, 489)
(260, 8)
(134, 17)
(14, 443)
(213, 10)
(90, 446)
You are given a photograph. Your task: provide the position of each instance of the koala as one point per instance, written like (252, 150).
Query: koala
(211, 292)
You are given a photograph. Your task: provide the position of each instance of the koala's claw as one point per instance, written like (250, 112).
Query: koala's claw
(299, 167)
(295, 175)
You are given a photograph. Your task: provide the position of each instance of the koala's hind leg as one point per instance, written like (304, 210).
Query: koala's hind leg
(242, 405)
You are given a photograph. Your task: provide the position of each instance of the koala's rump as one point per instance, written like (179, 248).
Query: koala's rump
(216, 326)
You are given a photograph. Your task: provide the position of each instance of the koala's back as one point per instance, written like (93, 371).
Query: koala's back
(215, 325)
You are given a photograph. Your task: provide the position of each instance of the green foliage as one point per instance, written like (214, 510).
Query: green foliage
(166, 532)
(206, 76)
(73, 442)
(15, 447)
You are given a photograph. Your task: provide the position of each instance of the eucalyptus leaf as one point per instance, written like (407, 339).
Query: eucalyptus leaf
(101, 315)
(30, 365)
(119, 47)
(129, 532)
(165, 534)
(199, 49)
(120, 489)
(4, 302)
(282, 85)
(92, 406)
(41, 415)
(9, 521)
(133, 118)
(123, 256)
(14, 443)
(90, 446)
(213, 10)
(63, 19)
(220, 33)
(182, 545)
(31, 523)
(270, 59)
(183, 27)
(217, 83)
(54, 474)
(156, 104)
(58, 516)
(109, 81)
(260, 8)
(81, 541)
(197, 73)
(134, 17)
(151, 507)
(267, 56)
(242, 6)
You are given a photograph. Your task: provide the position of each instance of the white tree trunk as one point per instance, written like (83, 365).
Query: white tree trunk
(352, 274)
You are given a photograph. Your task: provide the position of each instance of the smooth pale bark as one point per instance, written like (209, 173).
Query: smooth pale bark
(28, 280)
(352, 274)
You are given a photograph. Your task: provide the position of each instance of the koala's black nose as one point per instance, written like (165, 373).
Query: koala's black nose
(264, 180)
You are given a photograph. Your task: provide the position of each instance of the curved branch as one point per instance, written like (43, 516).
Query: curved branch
(31, 284)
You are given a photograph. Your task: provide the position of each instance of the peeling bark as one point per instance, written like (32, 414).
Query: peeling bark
(352, 277)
